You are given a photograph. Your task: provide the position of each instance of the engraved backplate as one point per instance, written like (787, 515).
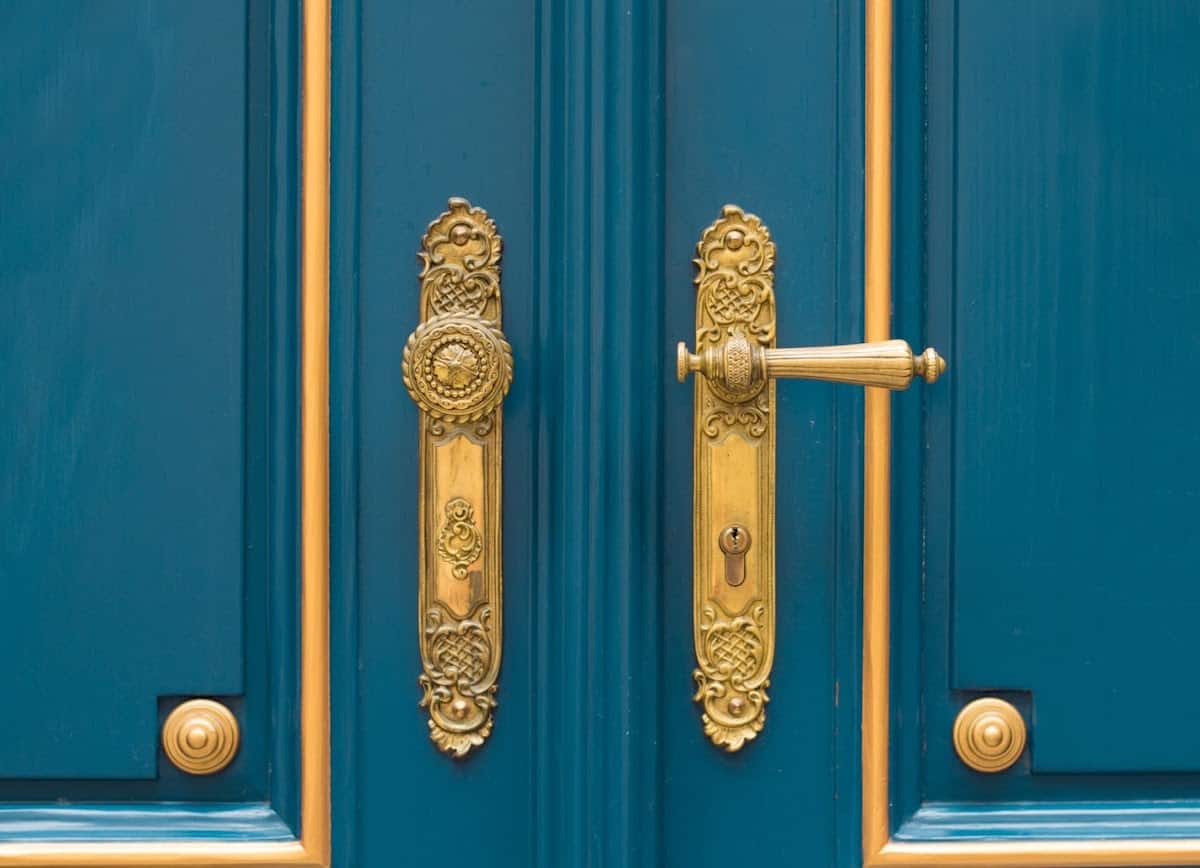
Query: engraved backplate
(458, 367)
(734, 473)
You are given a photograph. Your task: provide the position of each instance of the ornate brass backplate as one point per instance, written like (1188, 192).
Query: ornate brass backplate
(734, 473)
(458, 367)
(737, 363)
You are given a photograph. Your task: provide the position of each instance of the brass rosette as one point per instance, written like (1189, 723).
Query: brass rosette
(457, 367)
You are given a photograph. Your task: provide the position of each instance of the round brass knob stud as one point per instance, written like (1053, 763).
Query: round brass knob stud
(200, 737)
(989, 735)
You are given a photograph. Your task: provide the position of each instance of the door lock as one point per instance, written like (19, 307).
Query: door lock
(733, 596)
(734, 542)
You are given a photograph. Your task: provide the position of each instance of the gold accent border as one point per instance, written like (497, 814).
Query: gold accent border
(878, 848)
(312, 850)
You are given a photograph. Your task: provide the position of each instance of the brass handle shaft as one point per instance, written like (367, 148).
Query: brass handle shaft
(737, 366)
(890, 364)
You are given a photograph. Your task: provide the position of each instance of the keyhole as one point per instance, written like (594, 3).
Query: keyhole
(734, 542)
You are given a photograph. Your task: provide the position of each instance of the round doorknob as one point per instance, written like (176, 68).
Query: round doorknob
(200, 737)
(989, 735)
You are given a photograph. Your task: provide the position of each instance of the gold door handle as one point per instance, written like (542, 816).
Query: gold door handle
(457, 367)
(739, 364)
(733, 542)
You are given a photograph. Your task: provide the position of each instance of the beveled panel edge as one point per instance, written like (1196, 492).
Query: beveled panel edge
(878, 847)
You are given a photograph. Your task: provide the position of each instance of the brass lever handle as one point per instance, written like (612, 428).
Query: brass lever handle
(733, 455)
(739, 366)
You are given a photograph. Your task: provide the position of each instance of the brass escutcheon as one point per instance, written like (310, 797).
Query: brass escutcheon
(458, 367)
(733, 455)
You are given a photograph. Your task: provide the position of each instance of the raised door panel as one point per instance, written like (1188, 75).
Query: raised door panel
(1059, 464)
(148, 376)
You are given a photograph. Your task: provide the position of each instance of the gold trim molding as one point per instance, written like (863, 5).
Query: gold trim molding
(312, 849)
(458, 367)
(878, 848)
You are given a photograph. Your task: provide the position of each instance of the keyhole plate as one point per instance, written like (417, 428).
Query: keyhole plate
(733, 465)
(735, 542)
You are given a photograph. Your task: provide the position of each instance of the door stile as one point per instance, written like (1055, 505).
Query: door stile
(600, 377)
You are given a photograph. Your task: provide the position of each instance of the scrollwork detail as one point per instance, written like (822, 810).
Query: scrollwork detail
(735, 260)
(458, 682)
(459, 542)
(458, 366)
(460, 257)
(731, 680)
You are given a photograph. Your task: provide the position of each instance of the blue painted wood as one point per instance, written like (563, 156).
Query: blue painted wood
(148, 249)
(910, 228)
(599, 498)
(568, 776)
(134, 821)
(764, 110)
(1054, 566)
(415, 123)
(940, 821)
(345, 409)
(1076, 200)
(122, 360)
(581, 769)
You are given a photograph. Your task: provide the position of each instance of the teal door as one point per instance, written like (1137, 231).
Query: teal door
(958, 627)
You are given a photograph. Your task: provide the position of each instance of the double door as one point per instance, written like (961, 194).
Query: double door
(355, 515)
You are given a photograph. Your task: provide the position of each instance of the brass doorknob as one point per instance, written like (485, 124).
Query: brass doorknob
(739, 366)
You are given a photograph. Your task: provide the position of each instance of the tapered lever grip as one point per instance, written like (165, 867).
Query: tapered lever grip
(738, 365)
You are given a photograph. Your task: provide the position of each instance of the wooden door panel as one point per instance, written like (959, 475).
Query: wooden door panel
(148, 373)
(1074, 476)
(763, 111)
(122, 358)
(1052, 563)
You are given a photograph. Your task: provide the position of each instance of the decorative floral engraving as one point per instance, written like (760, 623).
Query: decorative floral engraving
(735, 310)
(459, 680)
(732, 676)
(460, 543)
(460, 255)
(457, 367)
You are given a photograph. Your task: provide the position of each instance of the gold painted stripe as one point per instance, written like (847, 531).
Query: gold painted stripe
(877, 433)
(314, 437)
(878, 849)
(313, 850)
